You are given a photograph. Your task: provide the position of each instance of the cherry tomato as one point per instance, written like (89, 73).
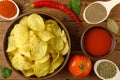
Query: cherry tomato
(79, 65)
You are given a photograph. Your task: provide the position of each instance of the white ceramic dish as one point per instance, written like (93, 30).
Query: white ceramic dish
(18, 11)
(108, 5)
(116, 77)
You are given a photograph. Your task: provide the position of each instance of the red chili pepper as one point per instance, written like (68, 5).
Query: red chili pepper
(56, 5)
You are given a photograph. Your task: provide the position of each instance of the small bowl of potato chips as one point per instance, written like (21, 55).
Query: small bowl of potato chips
(37, 45)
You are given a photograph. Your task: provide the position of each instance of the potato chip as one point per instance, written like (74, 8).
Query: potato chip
(52, 26)
(42, 50)
(14, 52)
(11, 44)
(19, 63)
(41, 69)
(57, 61)
(25, 48)
(28, 59)
(57, 31)
(10, 56)
(21, 34)
(63, 36)
(33, 40)
(65, 49)
(23, 21)
(27, 54)
(51, 49)
(54, 55)
(36, 22)
(28, 72)
(12, 32)
(47, 35)
(39, 50)
(57, 43)
(44, 58)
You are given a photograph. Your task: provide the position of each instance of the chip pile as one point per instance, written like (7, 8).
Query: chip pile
(37, 46)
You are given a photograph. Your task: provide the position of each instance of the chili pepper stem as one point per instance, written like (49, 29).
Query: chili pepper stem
(31, 5)
(27, 7)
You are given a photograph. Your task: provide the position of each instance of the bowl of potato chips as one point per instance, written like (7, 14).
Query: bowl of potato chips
(37, 45)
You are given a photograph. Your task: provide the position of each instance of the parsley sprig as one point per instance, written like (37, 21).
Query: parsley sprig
(6, 72)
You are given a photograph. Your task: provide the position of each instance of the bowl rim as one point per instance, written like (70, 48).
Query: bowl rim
(62, 26)
(98, 57)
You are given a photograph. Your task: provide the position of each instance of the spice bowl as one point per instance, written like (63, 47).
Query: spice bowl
(12, 12)
(106, 70)
(46, 61)
(97, 42)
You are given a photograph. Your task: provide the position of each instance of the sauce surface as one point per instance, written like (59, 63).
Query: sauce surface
(97, 41)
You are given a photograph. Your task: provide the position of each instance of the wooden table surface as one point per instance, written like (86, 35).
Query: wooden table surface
(75, 32)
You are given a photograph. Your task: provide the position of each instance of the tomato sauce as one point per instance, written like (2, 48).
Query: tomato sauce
(98, 41)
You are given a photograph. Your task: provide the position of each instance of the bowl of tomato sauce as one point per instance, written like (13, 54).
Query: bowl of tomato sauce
(97, 42)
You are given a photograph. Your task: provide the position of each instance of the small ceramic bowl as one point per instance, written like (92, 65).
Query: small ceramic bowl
(45, 16)
(91, 41)
(16, 15)
(115, 77)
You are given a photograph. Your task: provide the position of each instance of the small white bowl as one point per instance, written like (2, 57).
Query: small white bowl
(117, 75)
(18, 11)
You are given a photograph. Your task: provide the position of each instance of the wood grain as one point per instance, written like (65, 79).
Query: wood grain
(75, 32)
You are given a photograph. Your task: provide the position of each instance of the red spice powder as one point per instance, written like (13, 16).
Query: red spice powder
(7, 9)
(98, 41)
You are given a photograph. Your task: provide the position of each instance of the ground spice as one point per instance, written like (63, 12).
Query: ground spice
(7, 9)
(106, 70)
(95, 13)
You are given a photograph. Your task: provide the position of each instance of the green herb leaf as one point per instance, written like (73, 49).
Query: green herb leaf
(69, 5)
(75, 6)
(5, 72)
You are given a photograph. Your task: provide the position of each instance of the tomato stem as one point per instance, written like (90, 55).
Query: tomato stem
(82, 67)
